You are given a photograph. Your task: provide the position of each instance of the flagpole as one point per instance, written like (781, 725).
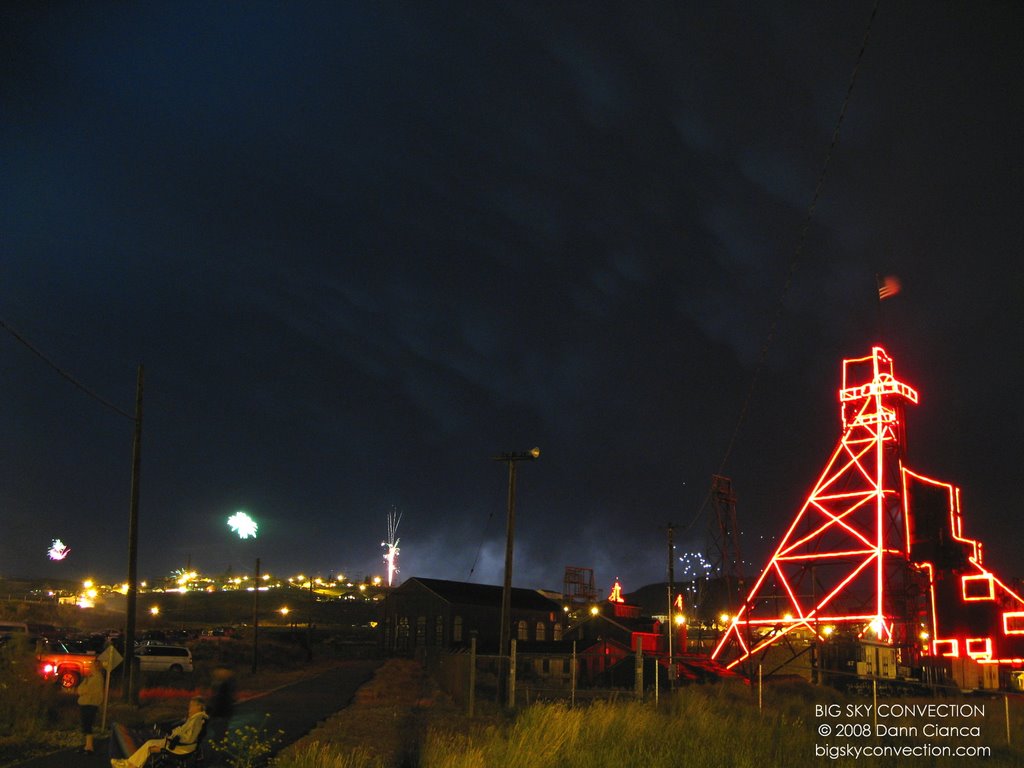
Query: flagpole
(878, 297)
(888, 287)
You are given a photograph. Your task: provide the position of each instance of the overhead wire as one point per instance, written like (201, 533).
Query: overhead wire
(793, 263)
(61, 372)
(487, 527)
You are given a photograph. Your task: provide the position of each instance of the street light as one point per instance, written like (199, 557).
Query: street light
(506, 593)
(243, 525)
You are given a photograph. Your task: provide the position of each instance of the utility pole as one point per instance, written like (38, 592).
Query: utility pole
(671, 602)
(133, 547)
(309, 627)
(506, 593)
(256, 618)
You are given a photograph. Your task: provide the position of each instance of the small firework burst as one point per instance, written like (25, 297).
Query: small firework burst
(242, 524)
(58, 550)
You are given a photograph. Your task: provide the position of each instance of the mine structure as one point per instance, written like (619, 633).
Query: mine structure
(875, 575)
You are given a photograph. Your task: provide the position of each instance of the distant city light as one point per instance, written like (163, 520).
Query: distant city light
(58, 550)
(242, 524)
(183, 577)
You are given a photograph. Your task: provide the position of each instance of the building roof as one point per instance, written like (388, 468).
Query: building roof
(653, 598)
(626, 626)
(486, 595)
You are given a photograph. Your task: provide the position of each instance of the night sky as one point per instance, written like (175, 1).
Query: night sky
(363, 248)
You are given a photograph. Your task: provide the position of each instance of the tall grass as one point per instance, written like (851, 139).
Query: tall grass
(318, 755)
(701, 728)
(396, 721)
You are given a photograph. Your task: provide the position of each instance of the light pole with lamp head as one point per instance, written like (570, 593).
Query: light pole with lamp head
(242, 524)
(506, 593)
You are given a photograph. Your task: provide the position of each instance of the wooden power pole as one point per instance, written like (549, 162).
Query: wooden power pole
(133, 548)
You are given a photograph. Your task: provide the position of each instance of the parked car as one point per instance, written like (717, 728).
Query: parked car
(9, 629)
(63, 660)
(155, 657)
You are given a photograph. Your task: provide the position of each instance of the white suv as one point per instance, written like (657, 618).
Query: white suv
(163, 658)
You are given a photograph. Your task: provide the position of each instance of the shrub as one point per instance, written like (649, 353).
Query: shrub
(247, 747)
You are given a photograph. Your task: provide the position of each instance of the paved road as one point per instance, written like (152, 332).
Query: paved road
(294, 709)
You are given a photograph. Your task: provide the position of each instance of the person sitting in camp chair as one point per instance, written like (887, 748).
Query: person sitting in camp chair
(183, 740)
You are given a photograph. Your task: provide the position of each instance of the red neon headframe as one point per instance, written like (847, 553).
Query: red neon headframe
(870, 533)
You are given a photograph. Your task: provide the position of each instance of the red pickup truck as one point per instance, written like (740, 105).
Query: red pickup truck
(64, 661)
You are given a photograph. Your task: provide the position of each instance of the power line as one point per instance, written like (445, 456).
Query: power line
(64, 374)
(793, 263)
(483, 540)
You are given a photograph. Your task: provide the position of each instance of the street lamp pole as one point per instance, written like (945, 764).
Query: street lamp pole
(256, 619)
(132, 596)
(246, 528)
(506, 593)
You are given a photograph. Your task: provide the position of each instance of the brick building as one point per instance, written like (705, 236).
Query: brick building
(434, 613)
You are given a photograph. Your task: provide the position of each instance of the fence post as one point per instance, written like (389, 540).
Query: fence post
(472, 673)
(1006, 706)
(512, 676)
(760, 690)
(639, 669)
(874, 699)
(572, 676)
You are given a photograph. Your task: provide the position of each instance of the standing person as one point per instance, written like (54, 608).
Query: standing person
(90, 697)
(183, 740)
(222, 702)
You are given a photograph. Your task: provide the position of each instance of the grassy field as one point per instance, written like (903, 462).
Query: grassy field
(400, 721)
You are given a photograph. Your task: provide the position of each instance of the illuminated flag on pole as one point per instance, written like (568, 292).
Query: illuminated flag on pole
(888, 287)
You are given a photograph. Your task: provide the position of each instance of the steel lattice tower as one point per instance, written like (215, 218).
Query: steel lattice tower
(726, 562)
(844, 559)
(578, 587)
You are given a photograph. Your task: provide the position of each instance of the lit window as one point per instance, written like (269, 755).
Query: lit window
(522, 632)
(1013, 622)
(950, 648)
(979, 648)
(556, 632)
(541, 631)
(980, 587)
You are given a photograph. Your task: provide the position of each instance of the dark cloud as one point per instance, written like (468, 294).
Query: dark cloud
(362, 249)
